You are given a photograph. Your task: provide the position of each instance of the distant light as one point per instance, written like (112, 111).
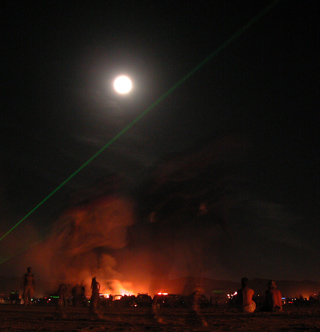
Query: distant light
(161, 293)
(122, 84)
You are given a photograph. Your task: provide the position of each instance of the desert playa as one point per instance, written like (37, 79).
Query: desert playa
(38, 318)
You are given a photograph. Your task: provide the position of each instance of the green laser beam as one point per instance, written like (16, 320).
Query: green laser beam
(153, 105)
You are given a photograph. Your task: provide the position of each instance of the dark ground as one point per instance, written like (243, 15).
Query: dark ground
(41, 318)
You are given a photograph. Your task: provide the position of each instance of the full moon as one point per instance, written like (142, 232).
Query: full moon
(122, 84)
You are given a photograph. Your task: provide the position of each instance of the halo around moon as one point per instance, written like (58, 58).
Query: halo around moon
(122, 84)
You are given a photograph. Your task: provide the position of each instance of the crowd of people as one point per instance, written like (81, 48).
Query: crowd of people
(245, 298)
(78, 293)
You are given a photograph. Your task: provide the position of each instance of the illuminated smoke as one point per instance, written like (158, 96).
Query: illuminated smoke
(164, 227)
(185, 211)
(84, 237)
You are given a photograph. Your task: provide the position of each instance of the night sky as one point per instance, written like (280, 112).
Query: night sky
(59, 109)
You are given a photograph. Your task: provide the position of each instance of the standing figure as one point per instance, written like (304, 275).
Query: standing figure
(62, 293)
(245, 297)
(28, 286)
(82, 296)
(273, 301)
(94, 301)
(62, 302)
(76, 295)
(194, 316)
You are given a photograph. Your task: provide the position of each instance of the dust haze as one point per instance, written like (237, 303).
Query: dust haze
(179, 221)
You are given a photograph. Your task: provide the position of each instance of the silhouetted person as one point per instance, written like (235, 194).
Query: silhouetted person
(94, 300)
(28, 286)
(110, 300)
(156, 306)
(62, 293)
(83, 300)
(62, 302)
(76, 295)
(273, 301)
(245, 297)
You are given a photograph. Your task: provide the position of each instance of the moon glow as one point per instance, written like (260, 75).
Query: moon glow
(122, 84)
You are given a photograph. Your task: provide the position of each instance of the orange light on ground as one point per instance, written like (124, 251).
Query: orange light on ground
(160, 293)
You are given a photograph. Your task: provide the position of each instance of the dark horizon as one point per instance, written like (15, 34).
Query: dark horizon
(185, 285)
